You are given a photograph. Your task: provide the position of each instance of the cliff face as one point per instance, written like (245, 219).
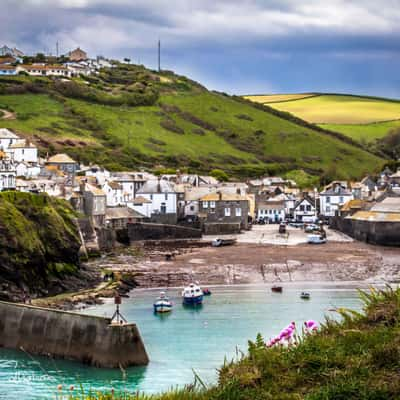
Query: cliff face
(39, 242)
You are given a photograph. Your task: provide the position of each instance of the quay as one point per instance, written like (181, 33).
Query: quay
(88, 339)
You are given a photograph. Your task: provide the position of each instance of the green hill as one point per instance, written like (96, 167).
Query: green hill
(130, 117)
(361, 118)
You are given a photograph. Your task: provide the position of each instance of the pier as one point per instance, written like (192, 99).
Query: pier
(60, 334)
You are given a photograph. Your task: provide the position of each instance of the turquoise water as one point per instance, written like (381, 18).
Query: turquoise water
(178, 343)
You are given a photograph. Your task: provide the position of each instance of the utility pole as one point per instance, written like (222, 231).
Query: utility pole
(159, 55)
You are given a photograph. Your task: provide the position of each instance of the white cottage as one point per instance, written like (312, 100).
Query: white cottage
(23, 151)
(7, 138)
(7, 174)
(305, 210)
(333, 198)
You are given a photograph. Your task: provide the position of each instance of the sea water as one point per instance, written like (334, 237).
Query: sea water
(179, 344)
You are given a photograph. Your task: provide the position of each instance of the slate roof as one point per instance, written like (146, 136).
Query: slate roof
(388, 205)
(122, 212)
(7, 134)
(157, 186)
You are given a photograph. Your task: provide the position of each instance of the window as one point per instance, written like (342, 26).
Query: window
(163, 208)
(166, 196)
(205, 204)
(151, 197)
(308, 208)
(191, 208)
(212, 204)
(227, 212)
(341, 200)
(238, 212)
(328, 200)
(301, 208)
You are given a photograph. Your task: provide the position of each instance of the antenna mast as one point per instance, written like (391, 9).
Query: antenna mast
(159, 55)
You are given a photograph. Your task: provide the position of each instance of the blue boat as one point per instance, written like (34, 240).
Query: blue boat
(192, 295)
(162, 304)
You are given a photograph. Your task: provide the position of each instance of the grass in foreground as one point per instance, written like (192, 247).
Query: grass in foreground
(358, 358)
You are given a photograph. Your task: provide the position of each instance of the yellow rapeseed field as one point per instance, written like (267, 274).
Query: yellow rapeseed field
(337, 109)
(274, 98)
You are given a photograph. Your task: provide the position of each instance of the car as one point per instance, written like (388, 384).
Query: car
(311, 228)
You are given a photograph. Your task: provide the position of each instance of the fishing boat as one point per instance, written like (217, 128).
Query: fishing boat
(163, 304)
(316, 239)
(192, 294)
(223, 242)
(277, 289)
(305, 296)
(206, 292)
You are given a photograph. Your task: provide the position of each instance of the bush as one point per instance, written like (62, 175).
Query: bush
(220, 175)
(170, 125)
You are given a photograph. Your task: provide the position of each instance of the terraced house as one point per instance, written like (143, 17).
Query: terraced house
(224, 208)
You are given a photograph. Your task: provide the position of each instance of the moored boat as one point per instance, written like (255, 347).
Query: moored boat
(192, 294)
(223, 242)
(206, 292)
(305, 296)
(163, 304)
(277, 289)
(316, 239)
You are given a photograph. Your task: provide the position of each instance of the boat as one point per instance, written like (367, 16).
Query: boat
(206, 292)
(223, 242)
(277, 289)
(163, 304)
(305, 296)
(192, 295)
(316, 239)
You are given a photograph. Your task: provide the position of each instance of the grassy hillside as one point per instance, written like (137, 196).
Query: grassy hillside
(356, 359)
(128, 117)
(39, 241)
(361, 118)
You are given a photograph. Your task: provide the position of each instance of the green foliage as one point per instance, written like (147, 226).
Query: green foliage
(38, 238)
(220, 175)
(128, 117)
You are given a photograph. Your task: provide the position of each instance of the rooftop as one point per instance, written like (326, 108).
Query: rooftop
(157, 186)
(7, 134)
(376, 216)
(61, 159)
(388, 205)
(22, 144)
(122, 212)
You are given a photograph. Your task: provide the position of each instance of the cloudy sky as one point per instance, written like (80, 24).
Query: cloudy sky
(237, 46)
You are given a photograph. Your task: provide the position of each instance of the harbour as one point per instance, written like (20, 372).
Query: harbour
(187, 339)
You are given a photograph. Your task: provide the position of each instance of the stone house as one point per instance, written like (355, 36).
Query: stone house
(94, 203)
(225, 208)
(120, 217)
(77, 55)
(63, 162)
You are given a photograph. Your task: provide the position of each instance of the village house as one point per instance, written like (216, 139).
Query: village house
(77, 55)
(141, 205)
(120, 217)
(7, 173)
(7, 138)
(41, 185)
(100, 174)
(8, 51)
(44, 70)
(7, 70)
(164, 200)
(305, 210)
(114, 194)
(224, 208)
(91, 201)
(63, 162)
(23, 151)
(333, 198)
(27, 170)
(271, 211)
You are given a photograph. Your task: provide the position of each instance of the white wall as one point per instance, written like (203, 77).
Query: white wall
(330, 204)
(28, 154)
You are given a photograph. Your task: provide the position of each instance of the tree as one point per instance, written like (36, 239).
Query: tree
(127, 60)
(220, 175)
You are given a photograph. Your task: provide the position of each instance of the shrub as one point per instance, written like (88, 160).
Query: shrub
(220, 175)
(170, 125)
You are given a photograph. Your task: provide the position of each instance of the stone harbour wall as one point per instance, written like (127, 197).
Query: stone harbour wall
(147, 231)
(89, 339)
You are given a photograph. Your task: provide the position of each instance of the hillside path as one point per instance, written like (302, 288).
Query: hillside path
(7, 114)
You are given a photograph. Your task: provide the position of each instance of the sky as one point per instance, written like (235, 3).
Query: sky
(240, 47)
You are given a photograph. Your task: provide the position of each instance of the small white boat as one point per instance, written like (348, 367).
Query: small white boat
(163, 304)
(316, 239)
(192, 294)
(305, 296)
